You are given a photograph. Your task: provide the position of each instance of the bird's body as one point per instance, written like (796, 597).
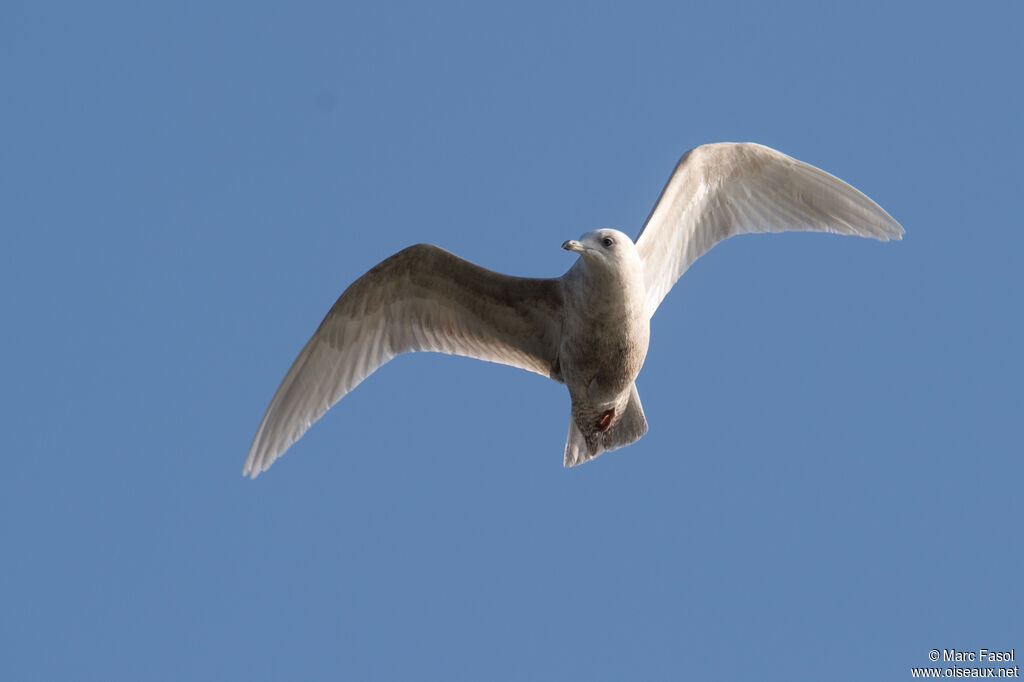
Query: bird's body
(606, 328)
(590, 328)
(605, 334)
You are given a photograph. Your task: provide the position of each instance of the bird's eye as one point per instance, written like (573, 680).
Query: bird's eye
(607, 242)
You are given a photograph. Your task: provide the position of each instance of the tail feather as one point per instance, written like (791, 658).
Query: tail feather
(630, 426)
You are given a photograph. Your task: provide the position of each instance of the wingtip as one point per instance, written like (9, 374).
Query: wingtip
(895, 234)
(252, 469)
(886, 230)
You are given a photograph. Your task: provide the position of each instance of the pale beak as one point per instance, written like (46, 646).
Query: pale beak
(573, 245)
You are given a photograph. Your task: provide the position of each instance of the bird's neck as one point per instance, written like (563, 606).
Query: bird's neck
(613, 291)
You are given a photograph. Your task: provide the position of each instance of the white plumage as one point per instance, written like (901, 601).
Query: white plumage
(588, 328)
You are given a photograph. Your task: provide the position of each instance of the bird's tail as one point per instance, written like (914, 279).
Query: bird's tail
(627, 427)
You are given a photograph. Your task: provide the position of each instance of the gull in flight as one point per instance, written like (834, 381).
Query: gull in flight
(589, 328)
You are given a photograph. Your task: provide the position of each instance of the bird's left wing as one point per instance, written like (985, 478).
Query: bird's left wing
(729, 188)
(421, 299)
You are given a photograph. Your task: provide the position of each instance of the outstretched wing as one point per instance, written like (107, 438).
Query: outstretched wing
(420, 299)
(721, 190)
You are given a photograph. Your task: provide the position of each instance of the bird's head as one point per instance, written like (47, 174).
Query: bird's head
(605, 249)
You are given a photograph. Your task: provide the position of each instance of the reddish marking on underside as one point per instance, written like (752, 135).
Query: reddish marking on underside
(605, 420)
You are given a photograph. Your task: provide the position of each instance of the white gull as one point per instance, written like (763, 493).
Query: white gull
(589, 328)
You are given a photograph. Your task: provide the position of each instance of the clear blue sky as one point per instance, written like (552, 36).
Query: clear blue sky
(831, 484)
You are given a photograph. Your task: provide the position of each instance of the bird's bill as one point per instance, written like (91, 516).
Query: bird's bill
(573, 245)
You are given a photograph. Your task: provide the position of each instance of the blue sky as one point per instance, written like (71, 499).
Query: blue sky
(831, 484)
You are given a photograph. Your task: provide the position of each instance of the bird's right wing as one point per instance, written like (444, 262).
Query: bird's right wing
(420, 299)
(729, 188)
